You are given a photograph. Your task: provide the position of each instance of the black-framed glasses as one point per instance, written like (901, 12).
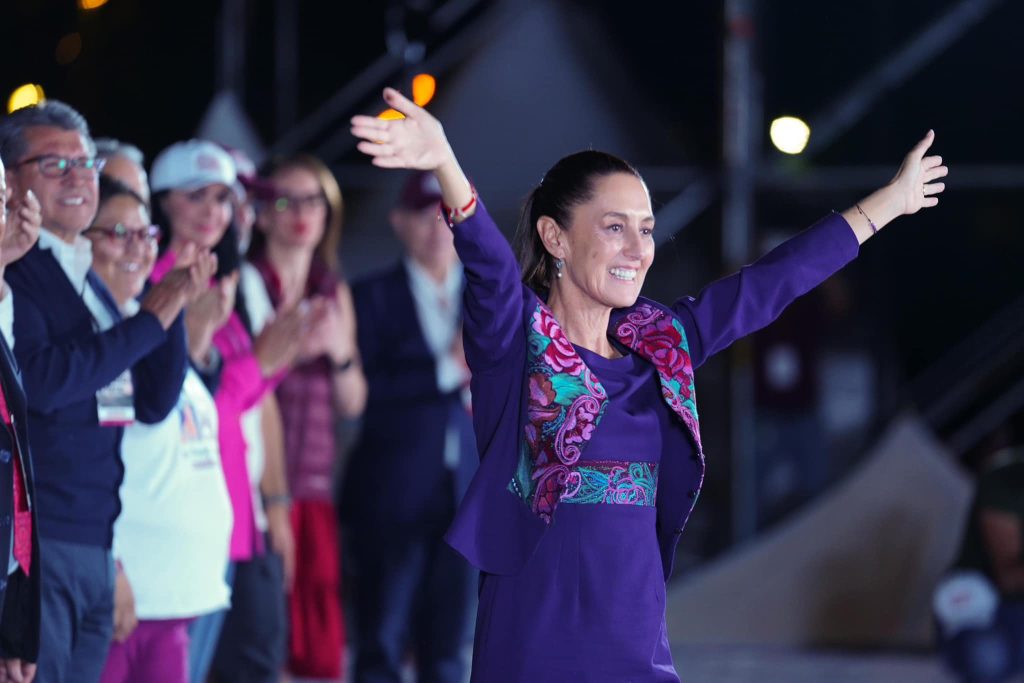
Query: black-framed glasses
(56, 166)
(311, 201)
(122, 234)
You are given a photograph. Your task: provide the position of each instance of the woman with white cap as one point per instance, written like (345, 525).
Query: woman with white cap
(192, 200)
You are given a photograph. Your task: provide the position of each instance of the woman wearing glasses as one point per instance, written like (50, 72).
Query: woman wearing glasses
(295, 249)
(175, 522)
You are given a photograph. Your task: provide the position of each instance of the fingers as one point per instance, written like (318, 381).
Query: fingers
(31, 201)
(921, 147)
(934, 188)
(375, 149)
(388, 162)
(402, 103)
(28, 671)
(934, 173)
(229, 287)
(370, 123)
(929, 202)
(378, 134)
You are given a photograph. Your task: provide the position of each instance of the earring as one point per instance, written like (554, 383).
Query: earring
(559, 264)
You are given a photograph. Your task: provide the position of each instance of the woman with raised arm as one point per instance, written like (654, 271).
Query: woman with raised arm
(583, 398)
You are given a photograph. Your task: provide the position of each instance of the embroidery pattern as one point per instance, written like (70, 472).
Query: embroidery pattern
(566, 401)
(565, 404)
(613, 482)
(659, 338)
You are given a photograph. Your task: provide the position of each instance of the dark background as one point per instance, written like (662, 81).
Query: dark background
(147, 71)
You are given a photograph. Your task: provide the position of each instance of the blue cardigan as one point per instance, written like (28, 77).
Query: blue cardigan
(64, 362)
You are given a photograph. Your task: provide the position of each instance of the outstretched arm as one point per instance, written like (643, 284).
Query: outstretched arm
(742, 303)
(494, 297)
(913, 188)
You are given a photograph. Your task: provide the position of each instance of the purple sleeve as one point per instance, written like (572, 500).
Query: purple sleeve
(493, 302)
(744, 302)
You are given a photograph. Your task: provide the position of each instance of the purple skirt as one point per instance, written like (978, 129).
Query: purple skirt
(588, 606)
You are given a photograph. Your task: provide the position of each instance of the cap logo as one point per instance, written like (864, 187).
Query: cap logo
(207, 162)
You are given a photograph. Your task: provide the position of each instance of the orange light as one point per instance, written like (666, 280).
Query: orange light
(91, 4)
(390, 115)
(423, 88)
(25, 96)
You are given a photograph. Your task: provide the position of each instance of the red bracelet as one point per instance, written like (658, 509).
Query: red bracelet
(460, 213)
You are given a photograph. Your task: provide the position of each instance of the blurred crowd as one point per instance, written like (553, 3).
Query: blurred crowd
(178, 346)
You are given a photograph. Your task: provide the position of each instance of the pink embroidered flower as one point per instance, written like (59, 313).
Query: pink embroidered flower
(559, 355)
(662, 335)
(674, 362)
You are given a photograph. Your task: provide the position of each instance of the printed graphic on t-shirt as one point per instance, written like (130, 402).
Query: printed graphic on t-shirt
(198, 433)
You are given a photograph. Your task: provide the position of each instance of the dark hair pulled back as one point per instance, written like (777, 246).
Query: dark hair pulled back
(569, 183)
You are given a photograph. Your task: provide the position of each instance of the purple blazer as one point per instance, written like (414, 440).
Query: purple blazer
(504, 323)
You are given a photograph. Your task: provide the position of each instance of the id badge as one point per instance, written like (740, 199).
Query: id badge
(115, 403)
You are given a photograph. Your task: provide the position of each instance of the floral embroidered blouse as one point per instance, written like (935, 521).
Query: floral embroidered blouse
(536, 404)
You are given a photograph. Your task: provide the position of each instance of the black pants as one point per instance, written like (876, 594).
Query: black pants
(412, 593)
(254, 638)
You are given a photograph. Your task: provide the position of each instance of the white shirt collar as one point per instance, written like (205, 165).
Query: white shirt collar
(450, 289)
(75, 259)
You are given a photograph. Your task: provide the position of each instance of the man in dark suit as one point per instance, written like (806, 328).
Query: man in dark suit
(87, 371)
(415, 456)
(19, 577)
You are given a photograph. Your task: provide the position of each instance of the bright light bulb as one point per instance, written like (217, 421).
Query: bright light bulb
(789, 134)
(423, 88)
(25, 96)
(91, 4)
(390, 115)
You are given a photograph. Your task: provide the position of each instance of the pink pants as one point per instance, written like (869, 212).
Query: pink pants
(156, 652)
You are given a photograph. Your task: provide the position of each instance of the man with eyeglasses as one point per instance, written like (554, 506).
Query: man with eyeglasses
(87, 372)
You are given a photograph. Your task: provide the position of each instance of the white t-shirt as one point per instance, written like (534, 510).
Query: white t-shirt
(260, 310)
(174, 530)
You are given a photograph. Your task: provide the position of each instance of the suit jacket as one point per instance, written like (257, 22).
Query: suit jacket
(396, 473)
(64, 361)
(19, 594)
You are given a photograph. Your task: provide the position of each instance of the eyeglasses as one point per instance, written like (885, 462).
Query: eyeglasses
(54, 166)
(122, 234)
(297, 204)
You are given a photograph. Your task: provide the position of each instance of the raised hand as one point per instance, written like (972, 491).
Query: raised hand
(912, 188)
(278, 344)
(181, 286)
(208, 313)
(415, 142)
(914, 182)
(22, 229)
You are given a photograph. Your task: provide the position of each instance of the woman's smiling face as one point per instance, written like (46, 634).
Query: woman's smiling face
(609, 245)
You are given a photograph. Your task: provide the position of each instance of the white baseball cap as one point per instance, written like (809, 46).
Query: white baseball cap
(190, 165)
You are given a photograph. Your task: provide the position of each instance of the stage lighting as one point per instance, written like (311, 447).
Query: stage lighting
(91, 4)
(390, 115)
(423, 88)
(789, 134)
(25, 96)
